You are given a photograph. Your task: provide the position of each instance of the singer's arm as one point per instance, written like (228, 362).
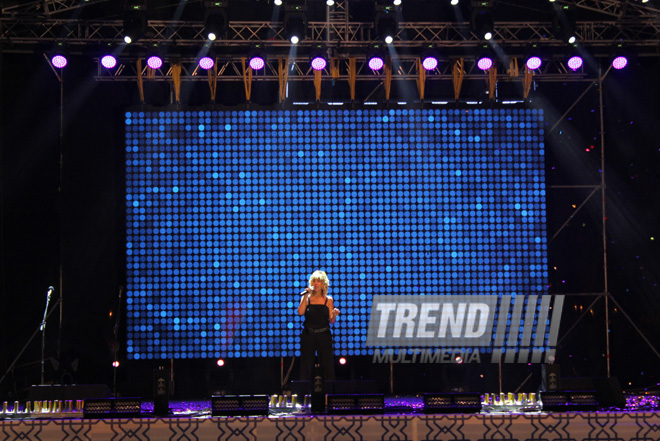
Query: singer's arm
(303, 302)
(334, 312)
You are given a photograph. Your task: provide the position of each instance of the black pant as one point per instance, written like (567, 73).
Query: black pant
(320, 343)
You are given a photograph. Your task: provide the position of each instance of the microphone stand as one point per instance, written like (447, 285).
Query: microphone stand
(34, 334)
(42, 328)
(115, 364)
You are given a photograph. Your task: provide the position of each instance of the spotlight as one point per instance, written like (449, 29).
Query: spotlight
(534, 62)
(563, 24)
(385, 25)
(396, 2)
(575, 62)
(155, 62)
(342, 361)
(59, 61)
(295, 25)
(220, 362)
(135, 20)
(115, 364)
(318, 62)
(257, 62)
(277, 2)
(215, 21)
(206, 63)
(330, 2)
(375, 62)
(482, 19)
(485, 63)
(454, 2)
(429, 60)
(108, 61)
(619, 62)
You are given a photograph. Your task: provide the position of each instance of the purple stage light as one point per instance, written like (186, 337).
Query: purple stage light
(429, 63)
(154, 62)
(319, 63)
(108, 61)
(619, 62)
(59, 61)
(206, 63)
(376, 63)
(485, 63)
(534, 62)
(575, 62)
(257, 63)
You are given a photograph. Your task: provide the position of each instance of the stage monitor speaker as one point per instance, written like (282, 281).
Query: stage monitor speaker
(452, 403)
(69, 392)
(566, 401)
(239, 405)
(363, 404)
(112, 407)
(608, 390)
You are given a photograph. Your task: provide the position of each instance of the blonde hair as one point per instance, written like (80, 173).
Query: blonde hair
(319, 275)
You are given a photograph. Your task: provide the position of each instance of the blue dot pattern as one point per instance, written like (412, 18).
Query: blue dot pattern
(229, 212)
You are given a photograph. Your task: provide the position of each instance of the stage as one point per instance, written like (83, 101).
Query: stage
(192, 422)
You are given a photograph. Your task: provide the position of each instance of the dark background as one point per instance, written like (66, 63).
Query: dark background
(62, 209)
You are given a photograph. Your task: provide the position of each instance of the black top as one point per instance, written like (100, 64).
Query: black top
(316, 316)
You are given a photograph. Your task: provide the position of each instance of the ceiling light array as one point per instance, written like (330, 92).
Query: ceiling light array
(295, 27)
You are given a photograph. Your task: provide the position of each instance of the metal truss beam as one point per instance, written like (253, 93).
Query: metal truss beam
(641, 33)
(613, 8)
(299, 69)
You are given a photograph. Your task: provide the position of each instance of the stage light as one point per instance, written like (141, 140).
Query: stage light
(257, 62)
(108, 61)
(429, 61)
(215, 19)
(115, 364)
(59, 61)
(155, 62)
(385, 25)
(485, 63)
(396, 2)
(454, 2)
(135, 20)
(533, 62)
(563, 23)
(295, 24)
(482, 19)
(376, 62)
(319, 62)
(206, 63)
(220, 362)
(277, 2)
(342, 361)
(619, 62)
(330, 2)
(575, 62)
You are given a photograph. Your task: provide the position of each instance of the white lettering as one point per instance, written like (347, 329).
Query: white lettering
(405, 316)
(450, 321)
(385, 310)
(426, 320)
(476, 326)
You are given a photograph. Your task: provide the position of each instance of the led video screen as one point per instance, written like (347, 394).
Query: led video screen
(229, 212)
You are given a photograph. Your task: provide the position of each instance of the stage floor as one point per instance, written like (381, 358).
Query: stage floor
(402, 420)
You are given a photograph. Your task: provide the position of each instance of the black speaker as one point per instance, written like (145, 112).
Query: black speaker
(318, 390)
(452, 403)
(239, 405)
(608, 391)
(161, 391)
